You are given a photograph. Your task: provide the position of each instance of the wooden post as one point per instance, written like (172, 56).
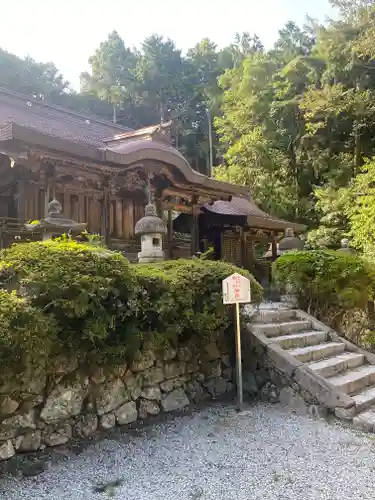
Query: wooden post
(105, 215)
(274, 247)
(243, 247)
(21, 205)
(194, 226)
(170, 234)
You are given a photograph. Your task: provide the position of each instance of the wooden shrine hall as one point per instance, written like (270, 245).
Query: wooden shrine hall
(104, 174)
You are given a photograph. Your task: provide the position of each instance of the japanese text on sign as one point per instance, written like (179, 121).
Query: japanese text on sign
(236, 290)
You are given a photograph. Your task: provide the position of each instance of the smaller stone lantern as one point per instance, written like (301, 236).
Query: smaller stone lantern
(290, 242)
(345, 246)
(55, 223)
(151, 229)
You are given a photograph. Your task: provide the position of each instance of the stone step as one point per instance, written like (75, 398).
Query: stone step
(337, 364)
(283, 328)
(274, 315)
(364, 399)
(317, 352)
(365, 421)
(354, 381)
(302, 339)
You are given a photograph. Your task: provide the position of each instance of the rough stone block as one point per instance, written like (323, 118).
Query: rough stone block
(56, 436)
(176, 400)
(226, 360)
(185, 353)
(151, 393)
(211, 351)
(127, 413)
(108, 421)
(196, 392)
(29, 442)
(167, 386)
(65, 401)
(217, 387)
(345, 413)
(288, 397)
(148, 408)
(7, 406)
(173, 370)
(169, 353)
(110, 396)
(86, 425)
(6, 450)
(153, 377)
(143, 360)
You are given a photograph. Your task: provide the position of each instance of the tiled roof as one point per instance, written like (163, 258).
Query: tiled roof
(55, 121)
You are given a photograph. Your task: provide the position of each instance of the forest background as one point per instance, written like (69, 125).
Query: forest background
(295, 123)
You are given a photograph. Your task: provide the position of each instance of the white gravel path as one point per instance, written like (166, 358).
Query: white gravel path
(265, 453)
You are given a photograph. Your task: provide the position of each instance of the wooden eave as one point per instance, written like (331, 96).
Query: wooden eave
(18, 139)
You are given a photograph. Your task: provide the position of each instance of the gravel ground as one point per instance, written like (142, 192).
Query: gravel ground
(265, 452)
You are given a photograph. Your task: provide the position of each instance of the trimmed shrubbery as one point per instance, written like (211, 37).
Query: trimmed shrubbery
(92, 301)
(328, 284)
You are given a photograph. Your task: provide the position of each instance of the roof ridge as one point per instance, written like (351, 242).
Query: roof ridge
(56, 107)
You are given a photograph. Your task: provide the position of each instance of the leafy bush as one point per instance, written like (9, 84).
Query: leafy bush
(327, 283)
(101, 306)
(83, 287)
(183, 298)
(26, 333)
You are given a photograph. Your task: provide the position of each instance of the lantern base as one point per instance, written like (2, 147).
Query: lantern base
(150, 256)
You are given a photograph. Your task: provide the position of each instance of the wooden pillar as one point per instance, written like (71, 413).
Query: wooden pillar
(274, 247)
(243, 247)
(81, 208)
(104, 205)
(119, 219)
(66, 208)
(194, 226)
(170, 234)
(21, 196)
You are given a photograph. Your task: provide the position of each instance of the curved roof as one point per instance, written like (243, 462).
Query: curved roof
(137, 150)
(241, 206)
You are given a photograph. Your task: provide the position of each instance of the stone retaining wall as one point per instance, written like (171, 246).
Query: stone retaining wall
(270, 380)
(43, 409)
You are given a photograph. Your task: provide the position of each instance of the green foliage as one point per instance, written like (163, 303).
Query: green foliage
(78, 284)
(26, 333)
(331, 205)
(94, 302)
(361, 211)
(327, 283)
(183, 298)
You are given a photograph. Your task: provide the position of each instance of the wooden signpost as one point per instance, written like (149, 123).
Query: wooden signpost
(237, 290)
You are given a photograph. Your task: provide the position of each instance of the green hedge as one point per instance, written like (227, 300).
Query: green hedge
(94, 302)
(327, 283)
(26, 333)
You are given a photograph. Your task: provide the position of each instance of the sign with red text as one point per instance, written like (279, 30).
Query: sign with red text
(236, 290)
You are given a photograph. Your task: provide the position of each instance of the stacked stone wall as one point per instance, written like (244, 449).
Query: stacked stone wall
(49, 408)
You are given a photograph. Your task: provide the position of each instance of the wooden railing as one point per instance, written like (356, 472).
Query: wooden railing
(13, 230)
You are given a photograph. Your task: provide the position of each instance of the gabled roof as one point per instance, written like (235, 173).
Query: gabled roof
(54, 120)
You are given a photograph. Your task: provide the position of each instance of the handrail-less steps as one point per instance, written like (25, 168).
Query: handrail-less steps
(339, 375)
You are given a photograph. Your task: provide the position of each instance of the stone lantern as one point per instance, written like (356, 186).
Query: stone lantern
(290, 242)
(345, 246)
(55, 223)
(151, 229)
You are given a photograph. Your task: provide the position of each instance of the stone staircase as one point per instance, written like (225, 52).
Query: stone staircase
(307, 353)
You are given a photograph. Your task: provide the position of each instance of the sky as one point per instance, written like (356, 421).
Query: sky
(68, 32)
